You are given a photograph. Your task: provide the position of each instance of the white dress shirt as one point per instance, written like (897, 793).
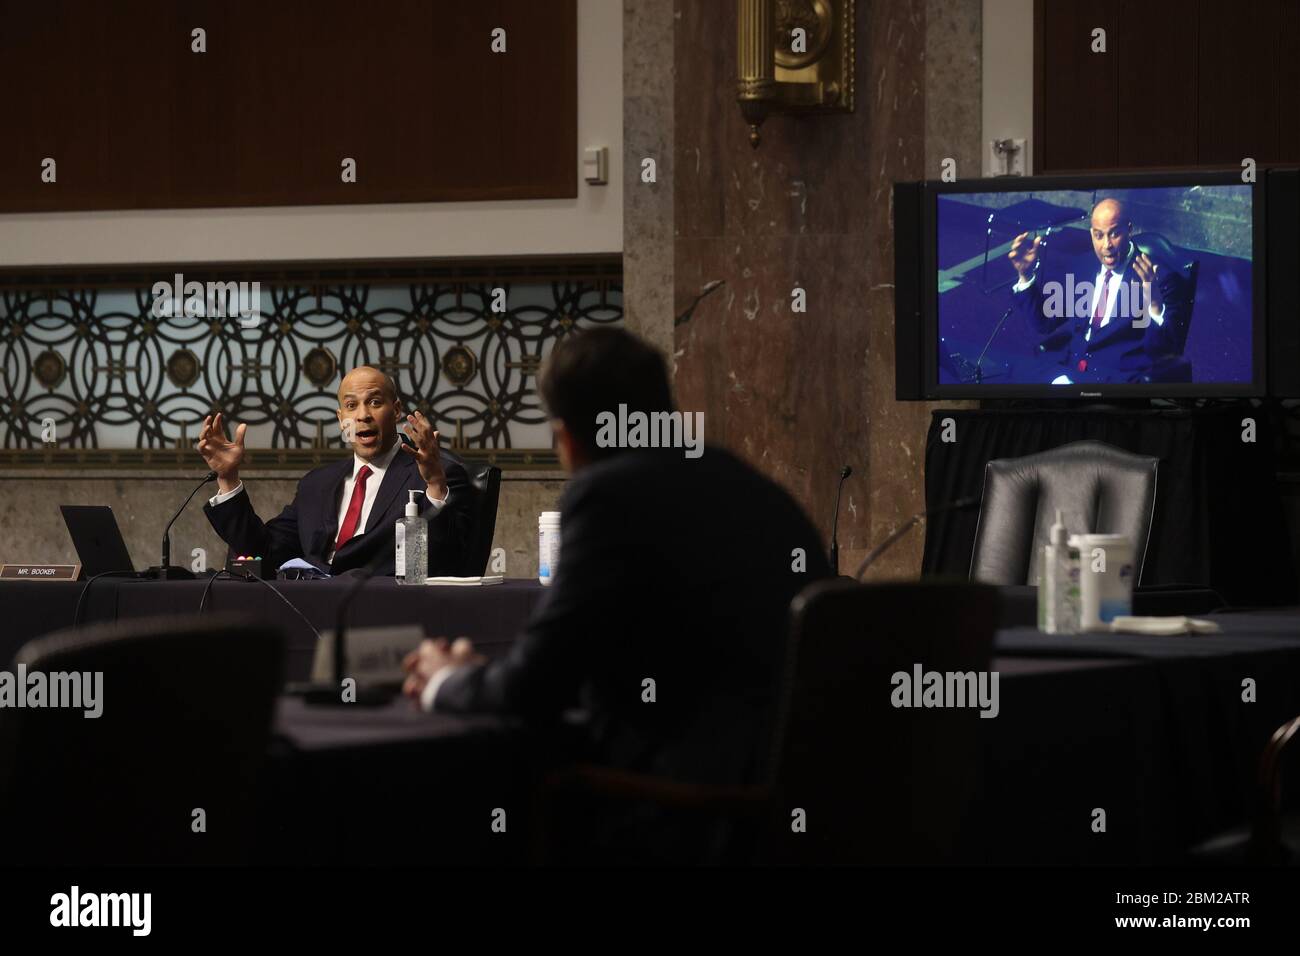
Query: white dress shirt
(376, 477)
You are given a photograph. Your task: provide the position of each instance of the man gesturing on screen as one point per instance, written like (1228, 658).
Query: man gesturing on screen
(344, 513)
(1131, 314)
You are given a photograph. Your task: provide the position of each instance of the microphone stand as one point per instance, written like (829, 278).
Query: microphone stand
(835, 522)
(331, 695)
(165, 571)
(907, 526)
(979, 362)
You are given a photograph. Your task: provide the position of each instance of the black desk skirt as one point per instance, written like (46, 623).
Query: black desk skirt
(1218, 519)
(1151, 730)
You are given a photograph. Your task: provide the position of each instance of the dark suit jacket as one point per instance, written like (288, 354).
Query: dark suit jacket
(1120, 352)
(308, 527)
(671, 569)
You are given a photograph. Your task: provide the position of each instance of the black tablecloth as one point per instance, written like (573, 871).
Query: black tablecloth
(1153, 731)
(492, 616)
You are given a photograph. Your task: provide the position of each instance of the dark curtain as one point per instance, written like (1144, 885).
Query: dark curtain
(1218, 516)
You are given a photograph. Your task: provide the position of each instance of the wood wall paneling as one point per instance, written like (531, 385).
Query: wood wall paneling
(1184, 83)
(1288, 80)
(1237, 85)
(1076, 96)
(1155, 55)
(285, 91)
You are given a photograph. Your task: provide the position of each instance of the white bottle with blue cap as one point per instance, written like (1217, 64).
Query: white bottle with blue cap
(411, 560)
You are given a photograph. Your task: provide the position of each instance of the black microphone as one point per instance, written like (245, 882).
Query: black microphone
(332, 694)
(907, 526)
(165, 571)
(835, 522)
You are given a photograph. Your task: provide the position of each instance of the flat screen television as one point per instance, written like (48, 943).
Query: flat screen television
(1120, 285)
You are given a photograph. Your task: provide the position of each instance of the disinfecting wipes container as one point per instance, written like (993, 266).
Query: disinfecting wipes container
(548, 545)
(1105, 579)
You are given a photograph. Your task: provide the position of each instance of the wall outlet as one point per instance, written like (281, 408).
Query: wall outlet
(1006, 157)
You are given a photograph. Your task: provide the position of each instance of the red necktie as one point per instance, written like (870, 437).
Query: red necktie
(351, 519)
(1103, 300)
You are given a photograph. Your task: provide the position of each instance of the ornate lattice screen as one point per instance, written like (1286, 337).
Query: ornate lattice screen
(100, 369)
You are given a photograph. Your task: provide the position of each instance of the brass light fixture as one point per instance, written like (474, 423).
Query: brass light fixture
(793, 56)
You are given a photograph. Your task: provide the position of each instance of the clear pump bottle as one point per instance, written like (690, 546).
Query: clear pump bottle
(411, 562)
(1058, 583)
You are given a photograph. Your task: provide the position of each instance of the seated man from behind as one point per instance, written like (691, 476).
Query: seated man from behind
(673, 569)
(344, 513)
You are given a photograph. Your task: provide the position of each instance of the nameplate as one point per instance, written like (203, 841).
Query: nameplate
(374, 655)
(39, 572)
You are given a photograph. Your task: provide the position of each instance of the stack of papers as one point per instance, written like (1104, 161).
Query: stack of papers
(467, 582)
(1164, 625)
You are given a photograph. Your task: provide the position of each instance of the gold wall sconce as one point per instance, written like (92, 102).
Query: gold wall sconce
(793, 56)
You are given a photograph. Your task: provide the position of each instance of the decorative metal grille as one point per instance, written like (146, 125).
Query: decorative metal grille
(95, 372)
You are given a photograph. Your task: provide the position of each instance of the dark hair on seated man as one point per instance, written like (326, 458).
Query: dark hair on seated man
(594, 371)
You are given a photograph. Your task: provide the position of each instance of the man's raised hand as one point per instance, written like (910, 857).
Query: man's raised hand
(427, 456)
(1024, 254)
(222, 455)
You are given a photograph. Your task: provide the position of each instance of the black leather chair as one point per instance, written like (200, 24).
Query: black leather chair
(1098, 488)
(486, 482)
(878, 784)
(1172, 367)
(187, 705)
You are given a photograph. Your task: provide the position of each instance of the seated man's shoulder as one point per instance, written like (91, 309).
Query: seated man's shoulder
(715, 475)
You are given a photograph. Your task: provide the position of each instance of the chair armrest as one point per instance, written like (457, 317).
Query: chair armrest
(1266, 830)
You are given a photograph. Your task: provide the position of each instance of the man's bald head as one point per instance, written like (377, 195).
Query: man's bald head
(367, 375)
(1109, 229)
(1110, 209)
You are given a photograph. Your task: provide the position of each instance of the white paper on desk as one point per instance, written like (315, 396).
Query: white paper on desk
(1163, 625)
(471, 582)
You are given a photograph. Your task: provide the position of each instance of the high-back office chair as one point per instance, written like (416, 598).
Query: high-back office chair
(878, 784)
(1173, 366)
(1099, 489)
(486, 482)
(187, 705)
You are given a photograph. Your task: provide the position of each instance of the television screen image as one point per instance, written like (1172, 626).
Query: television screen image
(1116, 289)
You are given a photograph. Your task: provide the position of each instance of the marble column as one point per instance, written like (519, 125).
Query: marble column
(801, 394)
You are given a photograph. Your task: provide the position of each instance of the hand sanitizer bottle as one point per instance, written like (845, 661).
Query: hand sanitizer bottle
(412, 557)
(1058, 583)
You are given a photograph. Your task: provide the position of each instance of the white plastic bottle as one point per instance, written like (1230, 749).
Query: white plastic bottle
(548, 546)
(411, 559)
(1058, 583)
